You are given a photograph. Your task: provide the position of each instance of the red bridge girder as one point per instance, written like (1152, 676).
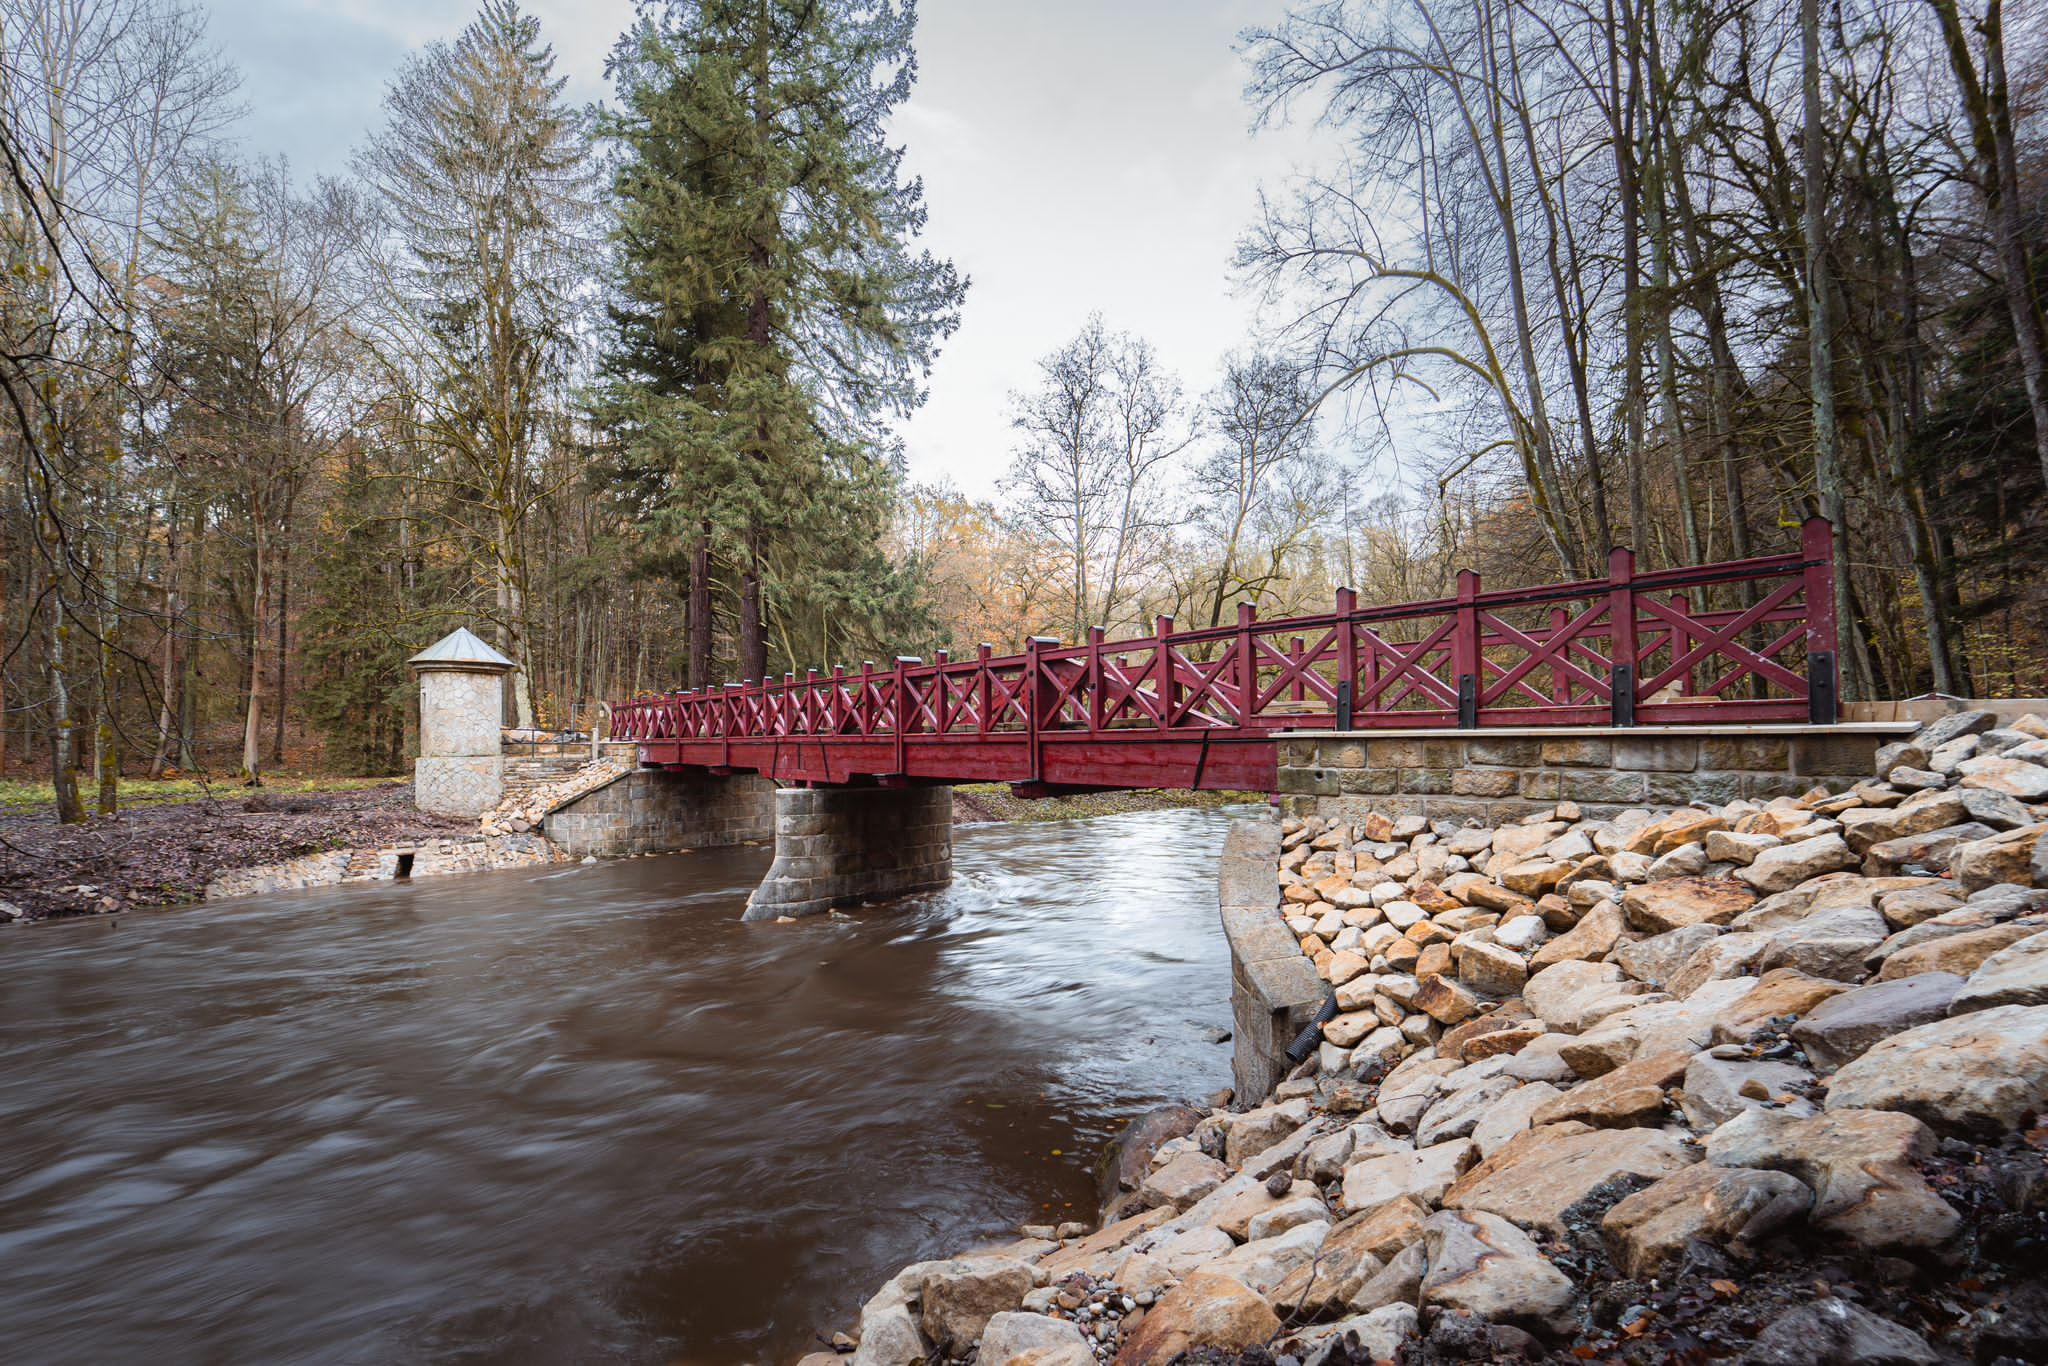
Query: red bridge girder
(1740, 642)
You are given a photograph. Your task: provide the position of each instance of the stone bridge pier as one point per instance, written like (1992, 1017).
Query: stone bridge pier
(837, 846)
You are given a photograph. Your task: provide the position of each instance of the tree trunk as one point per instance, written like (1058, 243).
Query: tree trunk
(63, 749)
(753, 640)
(1827, 474)
(252, 725)
(282, 694)
(700, 609)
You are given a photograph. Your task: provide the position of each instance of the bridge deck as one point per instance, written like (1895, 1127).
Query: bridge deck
(1741, 643)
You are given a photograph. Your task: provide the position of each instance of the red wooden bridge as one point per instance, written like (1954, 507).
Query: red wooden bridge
(1742, 642)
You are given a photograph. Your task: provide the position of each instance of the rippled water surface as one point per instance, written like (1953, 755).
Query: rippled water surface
(581, 1114)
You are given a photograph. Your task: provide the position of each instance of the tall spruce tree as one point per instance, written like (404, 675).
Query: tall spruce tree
(772, 314)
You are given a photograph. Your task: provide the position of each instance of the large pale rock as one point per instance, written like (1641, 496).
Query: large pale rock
(1183, 1180)
(1981, 1073)
(1953, 726)
(1491, 970)
(889, 1336)
(1719, 1088)
(1684, 826)
(1832, 1332)
(1543, 1172)
(1656, 959)
(1193, 1249)
(1729, 846)
(1575, 996)
(1256, 1130)
(1290, 1213)
(1659, 1027)
(1870, 826)
(1205, 1310)
(1481, 1263)
(1923, 853)
(1408, 1090)
(1424, 1174)
(1841, 1028)
(1655, 907)
(1863, 1166)
(1593, 937)
(1343, 1265)
(1788, 865)
(1509, 1116)
(957, 1298)
(1017, 1339)
(1647, 1232)
(2016, 975)
(1783, 991)
(1265, 1262)
(1717, 960)
(1961, 953)
(1904, 909)
(1532, 877)
(2007, 857)
(1831, 944)
(2013, 777)
(1237, 1213)
(1446, 1001)
(1457, 1113)
(1629, 1095)
(1377, 1336)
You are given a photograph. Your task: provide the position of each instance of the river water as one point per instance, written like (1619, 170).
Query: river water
(579, 1114)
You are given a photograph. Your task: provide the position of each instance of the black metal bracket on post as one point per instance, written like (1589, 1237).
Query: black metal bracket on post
(1624, 699)
(1344, 705)
(1823, 697)
(1468, 702)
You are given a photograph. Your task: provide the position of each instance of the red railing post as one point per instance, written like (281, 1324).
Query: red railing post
(1560, 681)
(941, 693)
(1034, 706)
(813, 719)
(867, 706)
(1093, 681)
(1247, 665)
(1823, 677)
(837, 702)
(1621, 625)
(985, 691)
(904, 715)
(1162, 669)
(1465, 649)
(1347, 656)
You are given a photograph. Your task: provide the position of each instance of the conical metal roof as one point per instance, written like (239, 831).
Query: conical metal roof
(461, 648)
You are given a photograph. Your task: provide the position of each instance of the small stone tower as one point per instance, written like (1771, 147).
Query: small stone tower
(461, 768)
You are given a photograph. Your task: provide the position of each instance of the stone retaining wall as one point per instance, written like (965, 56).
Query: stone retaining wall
(838, 846)
(1497, 779)
(1274, 991)
(429, 858)
(649, 811)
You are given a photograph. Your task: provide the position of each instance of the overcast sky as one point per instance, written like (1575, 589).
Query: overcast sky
(1077, 155)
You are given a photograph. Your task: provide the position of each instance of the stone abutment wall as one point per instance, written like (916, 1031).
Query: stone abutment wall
(650, 811)
(1495, 778)
(1274, 991)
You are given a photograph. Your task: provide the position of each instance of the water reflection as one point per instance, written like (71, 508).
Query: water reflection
(584, 1114)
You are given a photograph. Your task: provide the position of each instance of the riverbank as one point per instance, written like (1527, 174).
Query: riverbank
(178, 839)
(166, 852)
(1761, 1081)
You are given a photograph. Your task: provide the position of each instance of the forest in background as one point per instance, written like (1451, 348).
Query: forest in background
(621, 387)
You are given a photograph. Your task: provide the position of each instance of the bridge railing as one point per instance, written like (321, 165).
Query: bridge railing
(1746, 641)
